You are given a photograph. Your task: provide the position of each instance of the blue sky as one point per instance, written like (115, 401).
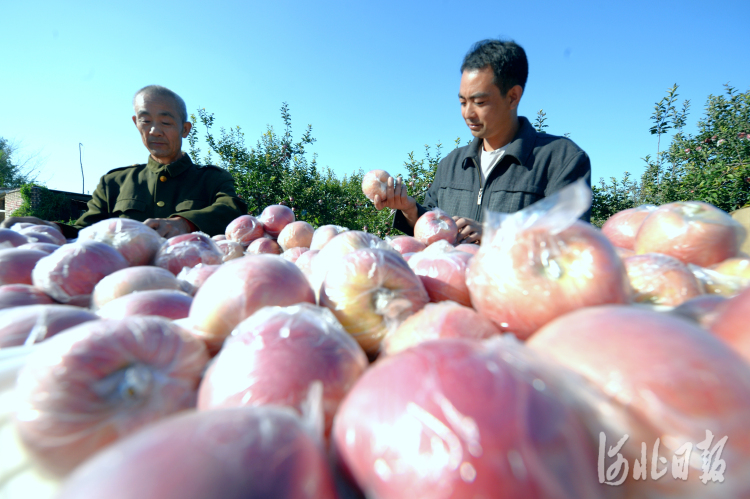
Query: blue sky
(375, 80)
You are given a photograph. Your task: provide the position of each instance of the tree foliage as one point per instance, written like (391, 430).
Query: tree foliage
(14, 172)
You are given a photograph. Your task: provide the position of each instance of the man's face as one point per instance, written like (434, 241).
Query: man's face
(488, 114)
(160, 126)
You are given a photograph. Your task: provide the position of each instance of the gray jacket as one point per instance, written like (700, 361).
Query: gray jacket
(534, 165)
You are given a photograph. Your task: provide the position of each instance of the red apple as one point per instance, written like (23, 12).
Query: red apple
(43, 234)
(16, 265)
(434, 226)
(46, 247)
(305, 262)
(661, 280)
(406, 244)
(446, 319)
(219, 237)
(168, 303)
(31, 324)
(240, 288)
(715, 283)
(472, 249)
(296, 235)
(293, 254)
(738, 267)
(192, 278)
(101, 380)
(522, 279)
(732, 323)
(230, 249)
(239, 453)
(622, 227)
(130, 280)
(275, 217)
(244, 230)
(325, 233)
(137, 242)
(370, 290)
(11, 239)
(460, 418)
(443, 275)
(69, 274)
(273, 356)
(374, 183)
(691, 231)
(188, 250)
(264, 245)
(19, 295)
(703, 309)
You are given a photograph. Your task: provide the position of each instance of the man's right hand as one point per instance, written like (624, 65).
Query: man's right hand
(396, 198)
(10, 222)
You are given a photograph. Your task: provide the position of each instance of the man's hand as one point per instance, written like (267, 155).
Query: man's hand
(469, 231)
(396, 198)
(10, 222)
(169, 227)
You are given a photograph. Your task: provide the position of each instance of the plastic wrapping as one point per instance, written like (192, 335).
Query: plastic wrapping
(296, 235)
(18, 295)
(273, 356)
(230, 249)
(34, 323)
(240, 288)
(18, 227)
(446, 319)
(16, 265)
(237, 453)
(168, 303)
(131, 280)
(738, 267)
(702, 310)
(731, 323)
(305, 263)
(691, 231)
(192, 278)
(188, 250)
(716, 283)
(622, 227)
(11, 239)
(405, 244)
(137, 242)
(671, 381)
(293, 254)
(46, 247)
(461, 418)
(434, 226)
(43, 234)
(542, 262)
(69, 274)
(219, 237)
(371, 291)
(264, 245)
(472, 249)
(661, 280)
(375, 183)
(325, 233)
(443, 274)
(244, 230)
(101, 380)
(275, 217)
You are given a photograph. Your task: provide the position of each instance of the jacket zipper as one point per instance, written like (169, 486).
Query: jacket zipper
(479, 198)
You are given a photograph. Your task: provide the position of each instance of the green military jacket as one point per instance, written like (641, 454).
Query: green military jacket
(204, 195)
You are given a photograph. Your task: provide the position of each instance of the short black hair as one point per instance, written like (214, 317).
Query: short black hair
(507, 59)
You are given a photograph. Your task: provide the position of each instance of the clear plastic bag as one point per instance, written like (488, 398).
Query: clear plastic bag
(661, 280)
(192, 278)
(188, 250)
(435, 225)
(325, 233)
(137, 242)
(622, 227)
(716, 283)
(28, 325)
(131, 280)
(172, 304)
(443, 274)
(244, 230)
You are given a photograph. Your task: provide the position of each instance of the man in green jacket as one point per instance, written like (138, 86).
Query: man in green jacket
(168, 193)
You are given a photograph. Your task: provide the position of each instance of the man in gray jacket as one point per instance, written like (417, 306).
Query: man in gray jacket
(508, 166)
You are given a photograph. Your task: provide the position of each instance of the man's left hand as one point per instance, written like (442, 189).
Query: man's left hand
(469, 231)
(169, 227)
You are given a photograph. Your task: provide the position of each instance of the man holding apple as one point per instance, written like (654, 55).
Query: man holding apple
(508, 166)
(168, 193)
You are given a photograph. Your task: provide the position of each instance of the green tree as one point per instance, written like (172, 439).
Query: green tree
(14, 173)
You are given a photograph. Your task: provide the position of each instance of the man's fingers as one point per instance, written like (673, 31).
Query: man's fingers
(378, 202)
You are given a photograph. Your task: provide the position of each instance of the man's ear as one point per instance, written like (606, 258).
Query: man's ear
(186, 127)
(515, 94)
(135, 122)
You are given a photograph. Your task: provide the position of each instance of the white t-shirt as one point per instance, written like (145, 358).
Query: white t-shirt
(489, 159)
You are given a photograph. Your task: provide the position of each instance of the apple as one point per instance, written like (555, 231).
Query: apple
(27, 325)
(273, 357)
(130, 280)
(19, 295)
(46, 247)
(188, 250)
(10, 238)
(732, 323)
(443, 275)
(43, 234)
(446, 319)
(374, 183)
(296, 235)
(238, 453)
(219, 237)
(691, 231)
(661, 279)
(472, 249)
(406, 244)
(230, 249)
(16, 265)
(275, 217)
(70, 273)
(434, 226)
(462, 418)
(168, 303)
(20, 226)
(715, 283)
(192, 278)
(83, 389)
(305, 262)
(241, 287)
(325, 233)
(137, 242)
(703, 309)
(522, 279)
(370, 290)
(622, 227)
(293, 254)
(244, 230)
(264, 245)
(738, 267)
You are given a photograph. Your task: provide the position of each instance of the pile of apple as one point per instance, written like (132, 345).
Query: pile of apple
(283, 360)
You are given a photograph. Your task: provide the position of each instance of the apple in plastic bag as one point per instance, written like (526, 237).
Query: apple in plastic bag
(406, 244)
(443, 275)
(244, 230)
(131, 280)
(16, 265)
(136, 241)
(11, 238)
(19, 295)
(732, 323)
(264, 245)
(293, 254)
(435, 225)
(31, 324)
(192, 278)
(168, 303)
(622, 227)
(101, 380)
(275, 217)
(188, 250)
(325, 233)
(43, 234)
(296, 235)
(230, 249)
(661, 280)
(375, 183)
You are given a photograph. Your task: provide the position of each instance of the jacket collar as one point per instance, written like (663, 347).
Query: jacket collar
(520, 147)
(174, 168)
